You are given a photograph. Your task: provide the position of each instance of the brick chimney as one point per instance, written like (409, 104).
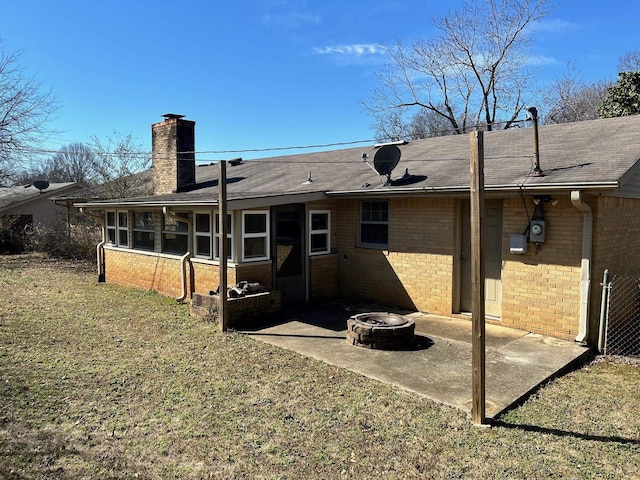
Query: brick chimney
(174, 162)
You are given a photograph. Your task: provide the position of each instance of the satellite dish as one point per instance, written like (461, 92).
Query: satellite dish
(41, 185)
(386, 159)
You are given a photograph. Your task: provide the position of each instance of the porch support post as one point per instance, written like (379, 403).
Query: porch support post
(477, 278)
(222, 242)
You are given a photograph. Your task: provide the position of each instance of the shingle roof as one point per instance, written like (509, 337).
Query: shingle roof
(591, 154)
(13, 196)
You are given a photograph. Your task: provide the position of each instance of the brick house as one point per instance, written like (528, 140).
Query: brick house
(318, 225)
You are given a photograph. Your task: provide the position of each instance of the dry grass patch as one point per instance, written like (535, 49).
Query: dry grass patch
(98, 381)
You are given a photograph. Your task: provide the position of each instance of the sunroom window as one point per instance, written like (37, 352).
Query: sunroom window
(143, 230)
(175, 234)
(229, 245)
(118, 228)
(112, 228)
(202, 229)
(255, 235)
(123, 229)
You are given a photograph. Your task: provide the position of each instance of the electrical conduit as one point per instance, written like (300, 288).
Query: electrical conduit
(184, 259)
(585, 277)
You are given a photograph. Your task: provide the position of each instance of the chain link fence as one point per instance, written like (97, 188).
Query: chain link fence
(620, 311)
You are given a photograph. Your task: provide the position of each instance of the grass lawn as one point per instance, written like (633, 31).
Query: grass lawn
(98, 382)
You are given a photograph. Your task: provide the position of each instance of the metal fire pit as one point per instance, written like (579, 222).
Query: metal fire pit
(382, 331)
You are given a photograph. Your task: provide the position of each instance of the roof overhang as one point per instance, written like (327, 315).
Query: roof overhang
(243, 203)
(596, 187)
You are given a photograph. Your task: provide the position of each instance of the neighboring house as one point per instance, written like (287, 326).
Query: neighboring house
(324, 224)
(27, 205)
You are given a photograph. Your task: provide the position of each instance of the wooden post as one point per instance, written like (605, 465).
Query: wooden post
(477, 278)
(222, 242)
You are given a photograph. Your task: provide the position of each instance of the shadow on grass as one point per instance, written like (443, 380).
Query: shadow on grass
(563, 433)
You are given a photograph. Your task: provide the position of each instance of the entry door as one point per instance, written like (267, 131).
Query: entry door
(289, 256)
(493, 258)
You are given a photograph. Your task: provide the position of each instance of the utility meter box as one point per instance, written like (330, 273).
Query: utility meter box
(518, 244)
(537, 231)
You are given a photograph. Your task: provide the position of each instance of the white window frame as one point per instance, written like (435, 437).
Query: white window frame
(116, 227)
(216, 236)
(122, 228)
(112, 227)
(264, 235)
(324, 231)
(197, 234)
(362, 222)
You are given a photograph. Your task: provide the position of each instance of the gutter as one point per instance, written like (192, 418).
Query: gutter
(585, 276)
(100, 246)
(515, 187)
(185, 258)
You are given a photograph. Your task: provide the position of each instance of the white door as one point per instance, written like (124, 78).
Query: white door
(493, 258)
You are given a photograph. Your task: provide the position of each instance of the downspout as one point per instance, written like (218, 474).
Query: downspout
(185, 258)
(100, 247)
(585, 278)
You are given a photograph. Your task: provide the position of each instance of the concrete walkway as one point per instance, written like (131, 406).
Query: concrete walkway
(439, 367)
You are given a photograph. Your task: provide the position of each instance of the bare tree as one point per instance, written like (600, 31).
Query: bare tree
(427, 123)
(72, 163)
(630, 62)
(569, 99)
(474, 73)
(25, 110)
(121, 166)
(77, 160)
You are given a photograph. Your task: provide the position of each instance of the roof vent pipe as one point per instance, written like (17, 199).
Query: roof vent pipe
(533, 116)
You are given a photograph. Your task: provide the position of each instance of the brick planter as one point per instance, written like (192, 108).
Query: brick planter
(382, 331)
(239, 310)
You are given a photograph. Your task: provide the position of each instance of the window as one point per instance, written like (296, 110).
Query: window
(118, 228)
(143, 230)
(175, 233)
(203, 235)
(319, 229)
(123, 229)
(111, 228)
(255, 235)
(202, 230)
(229, 245)
(374, 224)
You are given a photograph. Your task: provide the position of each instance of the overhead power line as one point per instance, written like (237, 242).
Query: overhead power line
(142, 154)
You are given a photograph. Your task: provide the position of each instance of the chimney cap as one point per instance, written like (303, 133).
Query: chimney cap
(169, 116)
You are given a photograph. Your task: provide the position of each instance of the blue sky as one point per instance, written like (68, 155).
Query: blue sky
(258, 73)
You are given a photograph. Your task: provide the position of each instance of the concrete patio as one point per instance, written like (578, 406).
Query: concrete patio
(439, 367)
